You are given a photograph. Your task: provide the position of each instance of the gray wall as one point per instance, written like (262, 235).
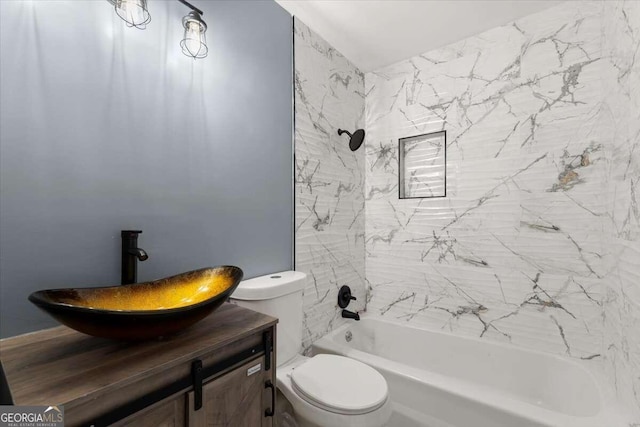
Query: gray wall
(105, 128)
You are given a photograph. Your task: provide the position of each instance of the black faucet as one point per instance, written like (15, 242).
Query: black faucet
(344, 298)
(131, 253)
(350, 315)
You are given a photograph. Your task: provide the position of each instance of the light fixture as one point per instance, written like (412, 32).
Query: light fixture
(194, 43)
(133, 12)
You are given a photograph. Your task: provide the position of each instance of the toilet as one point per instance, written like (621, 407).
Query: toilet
(324, 390)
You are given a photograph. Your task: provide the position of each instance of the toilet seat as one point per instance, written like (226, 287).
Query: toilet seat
(339, 384)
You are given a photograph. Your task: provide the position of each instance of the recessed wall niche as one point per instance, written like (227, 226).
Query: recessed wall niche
(423, 166)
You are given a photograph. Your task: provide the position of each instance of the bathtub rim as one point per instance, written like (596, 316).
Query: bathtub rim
(610, 411)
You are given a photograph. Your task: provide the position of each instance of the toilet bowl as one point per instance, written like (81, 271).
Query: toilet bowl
(334, 391)
(323, 390)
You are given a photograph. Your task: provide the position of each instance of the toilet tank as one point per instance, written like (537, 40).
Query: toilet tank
(278, 295)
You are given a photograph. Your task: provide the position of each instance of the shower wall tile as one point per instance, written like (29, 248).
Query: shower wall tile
(621, 114)
(329, 181)
(514, 253)
(536, 242)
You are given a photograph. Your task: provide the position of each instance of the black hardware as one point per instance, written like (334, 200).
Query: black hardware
(345, 297)
(270, 412)
(184, 384)
(184, 2)
(355, 140)
(5, 391)
(350, 315)
(131, 253)
(190, 6)
(268, 348)
(196, 374)
(401, 142)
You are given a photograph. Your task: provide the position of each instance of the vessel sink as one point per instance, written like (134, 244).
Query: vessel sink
(141, 310)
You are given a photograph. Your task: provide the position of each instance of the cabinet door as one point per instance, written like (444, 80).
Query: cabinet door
(236, 399)
(166, 413)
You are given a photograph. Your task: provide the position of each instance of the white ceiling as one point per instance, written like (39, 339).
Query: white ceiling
(375, 33)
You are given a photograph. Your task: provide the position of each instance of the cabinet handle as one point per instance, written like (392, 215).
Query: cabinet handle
(270, 412)
(196, 376)
(268, 348)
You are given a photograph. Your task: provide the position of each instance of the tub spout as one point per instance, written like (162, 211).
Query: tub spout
(350, 315)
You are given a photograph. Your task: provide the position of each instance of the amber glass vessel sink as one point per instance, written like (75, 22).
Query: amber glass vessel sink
(141, 310)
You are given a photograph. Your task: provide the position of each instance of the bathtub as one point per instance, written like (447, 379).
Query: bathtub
(438, 379)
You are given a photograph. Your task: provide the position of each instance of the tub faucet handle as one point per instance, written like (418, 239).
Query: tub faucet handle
(344, 296)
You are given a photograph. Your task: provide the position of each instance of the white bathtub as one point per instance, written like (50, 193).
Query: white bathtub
(443, 380)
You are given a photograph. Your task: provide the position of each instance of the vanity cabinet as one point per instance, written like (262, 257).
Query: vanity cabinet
(236, 399)
(219, 372)
(166, 413)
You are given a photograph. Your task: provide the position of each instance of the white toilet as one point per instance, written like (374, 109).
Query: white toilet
(324, 390)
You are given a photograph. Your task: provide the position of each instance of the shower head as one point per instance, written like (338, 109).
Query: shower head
(355, 140)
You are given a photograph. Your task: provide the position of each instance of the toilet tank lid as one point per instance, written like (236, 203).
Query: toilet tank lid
(270, 286)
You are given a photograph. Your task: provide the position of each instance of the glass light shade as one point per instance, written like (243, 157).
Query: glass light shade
(133, 12)
(194, 43)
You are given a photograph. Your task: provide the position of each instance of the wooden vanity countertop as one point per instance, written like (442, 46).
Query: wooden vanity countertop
(60, 366)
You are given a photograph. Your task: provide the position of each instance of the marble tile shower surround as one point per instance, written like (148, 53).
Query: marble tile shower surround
(621, 119)
(513, 253)
(329, 181)
(537, 241)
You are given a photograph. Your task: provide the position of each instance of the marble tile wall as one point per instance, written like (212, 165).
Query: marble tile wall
(329, 181)
(621, 119)
(514, 252)
(537, 242)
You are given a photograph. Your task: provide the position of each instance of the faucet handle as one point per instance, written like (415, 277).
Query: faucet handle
(344, 296)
